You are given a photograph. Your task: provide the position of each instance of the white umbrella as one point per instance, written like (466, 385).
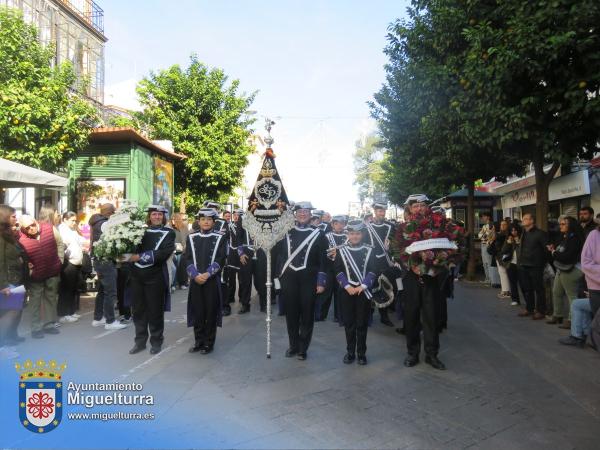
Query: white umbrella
(13, 174)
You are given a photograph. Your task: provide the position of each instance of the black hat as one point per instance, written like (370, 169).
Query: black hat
(379, 205)
(303, 205)
(207, 212)
(355, 225)
(416, 198)
(438, 209)
(318, 213)
(211, 204)
(239, 211)
(340, 218)
(157, 208)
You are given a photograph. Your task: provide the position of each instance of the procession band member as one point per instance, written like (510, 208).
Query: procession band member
(335, 238)
(355, 267)
(316, 220)
(380, 232)
(300, 262)
(421, 299)
(221, 225)
(205, 258)
(150, 281)
(239, 263)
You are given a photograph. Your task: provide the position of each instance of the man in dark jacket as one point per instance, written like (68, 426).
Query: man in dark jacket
(586, 220)
(104, 309)
(531, 259)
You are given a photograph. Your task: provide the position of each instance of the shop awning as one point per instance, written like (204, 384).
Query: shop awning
(13, 174)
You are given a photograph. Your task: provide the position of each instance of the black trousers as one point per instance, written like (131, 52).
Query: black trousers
(244, 278)
(513, 279)
(442, 303)
(420, 299)
(324, 299)
(356, 310)
(123, 274)
(299, 292)
(148, 307)
(68, 293)
(204, 303)
(259, 266)
(532, 284)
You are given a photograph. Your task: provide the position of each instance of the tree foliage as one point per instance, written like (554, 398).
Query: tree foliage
(42, 122)
(535, 67)
(430, 149)
(369, 167)
(206, 119)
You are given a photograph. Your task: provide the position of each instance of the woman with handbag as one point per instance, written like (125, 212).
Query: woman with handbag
(566, 258)
(508, 260)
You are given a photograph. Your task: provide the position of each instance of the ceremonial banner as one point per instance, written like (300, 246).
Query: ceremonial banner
(268, 218)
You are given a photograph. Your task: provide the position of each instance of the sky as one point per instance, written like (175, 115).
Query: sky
(314, 66)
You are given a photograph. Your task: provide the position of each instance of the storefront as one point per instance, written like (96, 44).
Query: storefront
(28, 189)
(456, 205)
(121, 164)
(566, 195)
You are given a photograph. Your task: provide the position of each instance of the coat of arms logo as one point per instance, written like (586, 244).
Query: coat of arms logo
(40, 395)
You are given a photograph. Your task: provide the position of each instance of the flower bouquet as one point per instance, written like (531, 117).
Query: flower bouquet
(429, 241)
(122, 233)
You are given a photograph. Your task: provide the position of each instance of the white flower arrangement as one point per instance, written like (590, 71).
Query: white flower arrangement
(122, 233)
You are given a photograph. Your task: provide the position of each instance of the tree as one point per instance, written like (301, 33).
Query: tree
(536, 68)
(369, 167)
(42, 122)
(207, 121)
(431, 149)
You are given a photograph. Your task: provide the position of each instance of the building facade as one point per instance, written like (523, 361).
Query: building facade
(76, 28)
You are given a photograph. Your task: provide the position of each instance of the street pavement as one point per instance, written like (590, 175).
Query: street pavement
(509, 385)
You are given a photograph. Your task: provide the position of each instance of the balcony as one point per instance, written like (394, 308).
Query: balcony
(88, 11)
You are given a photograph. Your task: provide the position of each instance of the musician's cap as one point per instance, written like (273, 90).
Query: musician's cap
(438, 209)
(379, 205)
(303, 205)
(207, 212)
(239, 211)
(355, 225)
(416, 198)
(318, 213)
(211, 204)
(157, 208)
(340, 218)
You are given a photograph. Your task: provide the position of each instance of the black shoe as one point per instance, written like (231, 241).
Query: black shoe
(301, 356)
(15, 340)
(155, 350)
(205, 350)
(400, 330)
(434, 362)
(387, 322)
(244, 309)
(39, 334)
(51, 330)
(572, 340)
(136, 349)
(226, 312)
(289, 353)
(195, 348)
(349, 358)
(411, 361)
(362, 360)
